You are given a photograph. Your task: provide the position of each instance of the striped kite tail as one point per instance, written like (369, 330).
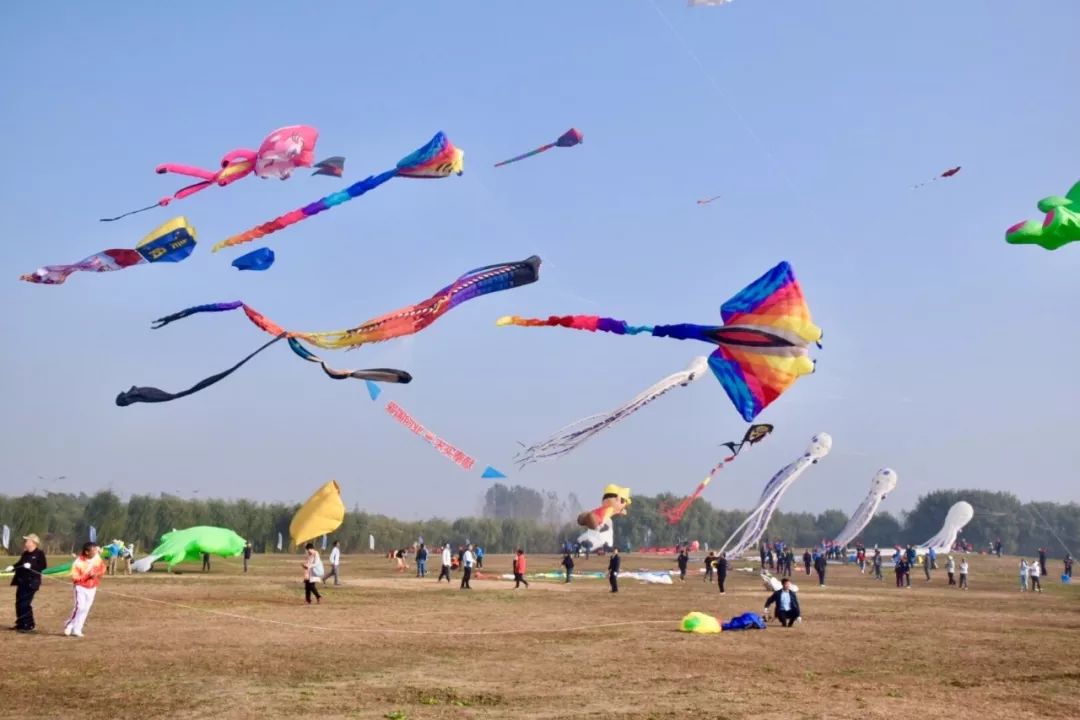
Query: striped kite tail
(529, 154)
(592, 323)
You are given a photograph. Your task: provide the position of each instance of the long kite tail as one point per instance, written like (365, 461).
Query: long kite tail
(386, 375)
(592, 323)
(211, 307)
(279, 223)
(437, 159)
(155, 395)
(537, 151)
(572, 436)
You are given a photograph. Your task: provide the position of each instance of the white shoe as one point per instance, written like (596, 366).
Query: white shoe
(67, 631)
(77, 634)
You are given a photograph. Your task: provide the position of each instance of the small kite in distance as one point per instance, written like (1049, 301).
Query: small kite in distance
(570, 138)
(706, 201)
(947, 174)
(332, 166)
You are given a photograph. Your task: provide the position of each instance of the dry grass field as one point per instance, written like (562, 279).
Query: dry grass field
(385, 645)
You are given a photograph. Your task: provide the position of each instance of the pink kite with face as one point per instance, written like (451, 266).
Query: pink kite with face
(281, 152)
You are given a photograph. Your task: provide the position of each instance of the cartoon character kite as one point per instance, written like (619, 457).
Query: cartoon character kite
(279, 154)
(616, 501)
(762, 345)
(570, 138)
(171, 242)
(754, 435)
(405, 321)
(438, 159)
(1060, 226)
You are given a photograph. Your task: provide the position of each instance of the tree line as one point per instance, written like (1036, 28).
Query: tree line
(536, 521)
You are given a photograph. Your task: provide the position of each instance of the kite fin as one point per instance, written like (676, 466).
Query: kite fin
(332, 166)
(373, 390)
(491, 473)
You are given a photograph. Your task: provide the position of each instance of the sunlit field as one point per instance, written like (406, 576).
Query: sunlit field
(388, 645)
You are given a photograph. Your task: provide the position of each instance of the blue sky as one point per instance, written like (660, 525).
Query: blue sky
(949, 355)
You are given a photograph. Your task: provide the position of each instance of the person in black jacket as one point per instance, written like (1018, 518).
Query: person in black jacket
(684, 560)
(721, 571)
(568, 563)
(247, 554)
(613, 570)
(820, 564)
(787, 604)
(27, 580)
(807, 558)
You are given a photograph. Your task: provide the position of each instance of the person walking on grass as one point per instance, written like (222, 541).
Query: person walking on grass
(311, 574)
(247, 555)
(86, 572)
(335, 562)
(1024, 570)
(519, 569)
(421, 561)
(902, 569)
(927, 563)
(710, 563)
(206, 562)
(1042, 561)
(964, 574)
(27, 581)
(1034, 571)
(807, 559)
(468, 560)
(683, 560)
(721, 571)
(787, 603)
(950, 569)
(614, 563)
(447, 563)
(568, 564)
(877, 565)
(821, 564)
(1068, 566)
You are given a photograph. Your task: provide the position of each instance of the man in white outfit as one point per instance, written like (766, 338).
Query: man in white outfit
(86, 574)
(335, 560)
(467, 562)
(447, 563)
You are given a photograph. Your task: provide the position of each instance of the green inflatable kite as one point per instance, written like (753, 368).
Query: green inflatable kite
(189, 544)
(1061, 225)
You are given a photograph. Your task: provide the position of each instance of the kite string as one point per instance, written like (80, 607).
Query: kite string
(1048, 527)
(762, 146)
(393, 631)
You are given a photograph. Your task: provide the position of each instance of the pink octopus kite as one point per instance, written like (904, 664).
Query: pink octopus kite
(280, 153)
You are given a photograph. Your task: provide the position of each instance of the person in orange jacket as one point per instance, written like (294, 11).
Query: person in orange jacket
(86, 574)
(519, 569)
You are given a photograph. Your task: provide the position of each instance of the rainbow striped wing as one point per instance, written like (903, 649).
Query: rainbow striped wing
(752, 373)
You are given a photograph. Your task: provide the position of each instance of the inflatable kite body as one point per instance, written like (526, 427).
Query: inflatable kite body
(280, 153)
(570, 138)
(190, 544)
(958, 516)
(883, 483)
(746, 621)
(259, 260)
(762, 346)
(758, 520)
(405, 321)
(438, 159)
(754, 434)
(171, 242)
(616, 501)
(322, 514)
(697, 622)
(603, 536)
(1060, 226)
